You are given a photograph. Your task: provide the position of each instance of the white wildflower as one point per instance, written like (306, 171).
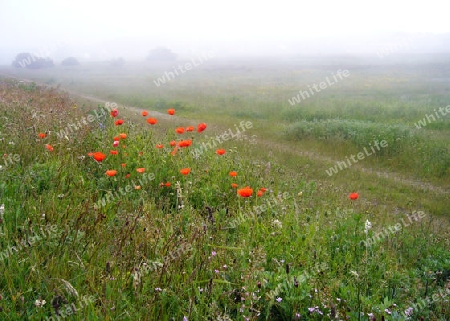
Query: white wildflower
(39, 303)
(367, 227)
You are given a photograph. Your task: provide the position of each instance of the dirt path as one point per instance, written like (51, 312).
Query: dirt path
(388, 175)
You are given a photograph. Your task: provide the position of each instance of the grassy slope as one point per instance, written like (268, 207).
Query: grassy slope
(145, 227)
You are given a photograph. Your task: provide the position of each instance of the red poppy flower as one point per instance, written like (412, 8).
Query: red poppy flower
(128, 175)
(144, 113)
(111, 172)
(171, 111)
(220, 151)
(245, 192)
(113, 152)
(140, 170)
(233, 174)
(174, 152)
(119, 122)
(114, 113)
(234, 185)
(42, 135)
(152, 121)
(173, 143)
(116, 138)
(185, 143)
(49, 147)
(180, 130)
(167, 184)
(98, 156)
(185, 171)
(260, 193)
(90, 154)
(123, 135)
(137, 187)
(190, 128)
(354, 196)
(159, 146)
(123, 165)
(141, 153)
(201, 127)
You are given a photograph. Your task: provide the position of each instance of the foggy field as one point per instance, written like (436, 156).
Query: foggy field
(157, 231)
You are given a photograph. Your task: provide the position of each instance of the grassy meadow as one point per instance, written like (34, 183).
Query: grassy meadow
(165, 228)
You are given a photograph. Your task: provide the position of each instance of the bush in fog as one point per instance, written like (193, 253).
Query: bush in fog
(70, 61)
(31, 61)
(118, 62)
(161, 54)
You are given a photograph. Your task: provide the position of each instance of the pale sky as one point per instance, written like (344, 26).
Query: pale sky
(48, 24)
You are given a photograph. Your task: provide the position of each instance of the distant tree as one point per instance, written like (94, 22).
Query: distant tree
(118, 62)
(27, 60)
(161, 54)
(70, 61)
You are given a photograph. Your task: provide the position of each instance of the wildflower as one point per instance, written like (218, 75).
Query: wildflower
(277, 223)
(144, 113)
(220, 151)
(167, 184)
(116, 143)
(260, 193)
(185, 143)
(279, 300)
(213, 253)
(245, 192)
(171, 111)
(234, 185)
(114, 113)
(39, 303)
(190, 128)
(173, 143)
(179, 130)
(119, 122)
(367, 226)
(90, 154)
(123, 165)
(140, 170)
(354, 196)
(201, 127)
(116, 138)
(42, 135)
(123, 135)
(111, 172)
(49, 147)
(388, 311)
(233, 174)
(185, 171)
(137, 187)
(128, 175)
(113, 152)
(152, 121)
(98, 156)
(409, 311)
(159, 146)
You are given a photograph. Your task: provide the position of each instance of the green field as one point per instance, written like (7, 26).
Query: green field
(196, 249)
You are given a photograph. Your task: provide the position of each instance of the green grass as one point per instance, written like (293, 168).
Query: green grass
(197, 249)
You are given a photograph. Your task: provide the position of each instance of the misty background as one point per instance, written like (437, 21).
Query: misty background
(104, 30)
